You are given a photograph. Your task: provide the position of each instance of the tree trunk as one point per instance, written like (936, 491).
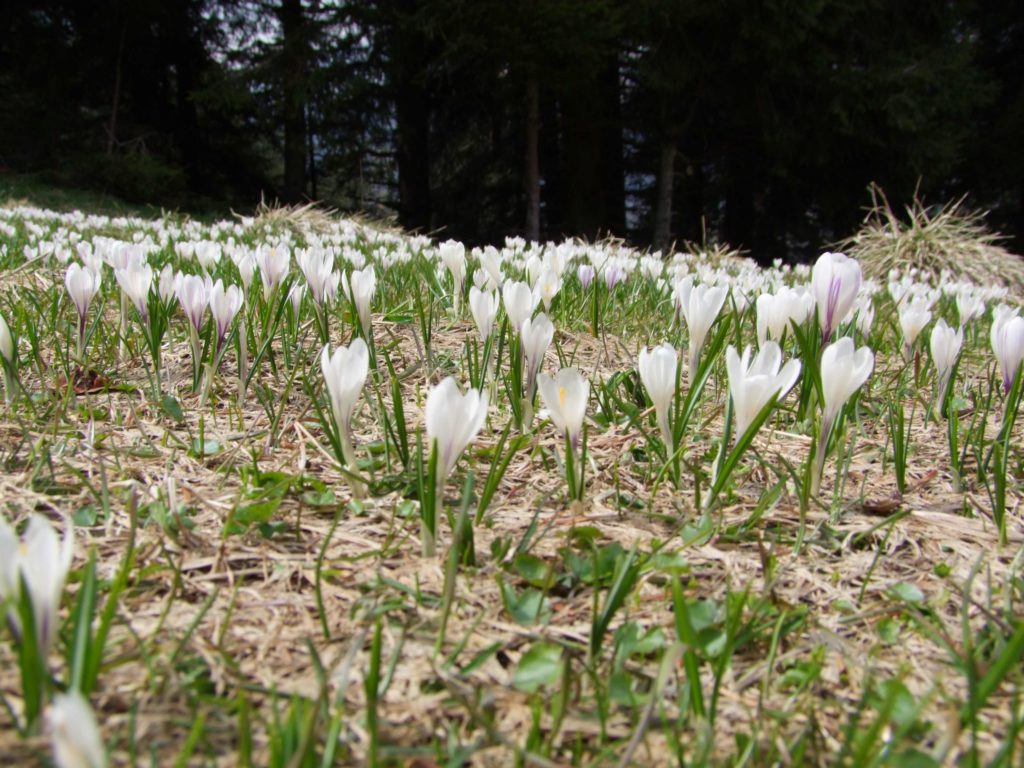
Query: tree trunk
(310, 137)
(409, 56)
(188, 59)
(533, 159)
(613, 173)
(112, 127)
(293, 60)
(663, 209)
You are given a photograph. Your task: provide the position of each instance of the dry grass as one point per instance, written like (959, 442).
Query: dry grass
(951, 239)
(210, 614)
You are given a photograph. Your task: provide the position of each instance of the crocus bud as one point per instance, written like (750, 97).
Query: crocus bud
(6, 342)
(945, 347)
(519, 302)
(835, 281)
(362, 286)
(537, 334)
(345, 374)
(484, 305)
(224, 305)
(192, 295)
(1008, 345)
(658, 368)
(74, 733)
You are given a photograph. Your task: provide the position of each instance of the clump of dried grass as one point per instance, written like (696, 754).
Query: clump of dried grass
(720, 254)
(953, 239)
(307, 217)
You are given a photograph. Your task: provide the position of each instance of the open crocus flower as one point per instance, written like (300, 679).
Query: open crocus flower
(519, 302)
(318, 268)
(43, 561)
(776, 312)
(753, 383)
(484, 305)
(969, 306)
(548, 285)
(835, 280)
(167, 285)
(945, 346)
(362, 285)
(865, 308)
(658, 368)
(273, 264)
(490, 262)
(913, 318)
(452, 420)
(700, 305)
(844, 370)
(565, 396)
(1008, 344)
(345, 374)
(74, 733)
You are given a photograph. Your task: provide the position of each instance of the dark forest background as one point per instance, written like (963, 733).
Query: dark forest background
(760, 123)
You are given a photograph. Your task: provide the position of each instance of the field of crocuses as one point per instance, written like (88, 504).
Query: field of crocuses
(294, 490)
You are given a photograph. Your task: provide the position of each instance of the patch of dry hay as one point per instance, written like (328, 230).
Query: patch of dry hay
(952, 239)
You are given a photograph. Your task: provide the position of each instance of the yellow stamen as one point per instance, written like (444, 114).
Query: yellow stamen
(561, 398)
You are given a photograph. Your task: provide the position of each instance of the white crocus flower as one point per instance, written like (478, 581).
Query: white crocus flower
(753, 383)
(658, 369)
(565, 396)
(452, 420)
(484, 306)
(193, 297)
(844, 369)
(43, 561)
(74, 733)
(6, 342)
(135, 280)
(548, 285)
(700, 305)
(362, 286)
(945, 347)
(969, 306)
(834, 282)
(224, 305)
(318, 268)
(585, 274)
(519, 303)
(536, 336)
(865, 315)
(82, 284)
(1008, 344)
(913, 318)
(273, 264)
(168, 284)
(453, 255)
(345, 375)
